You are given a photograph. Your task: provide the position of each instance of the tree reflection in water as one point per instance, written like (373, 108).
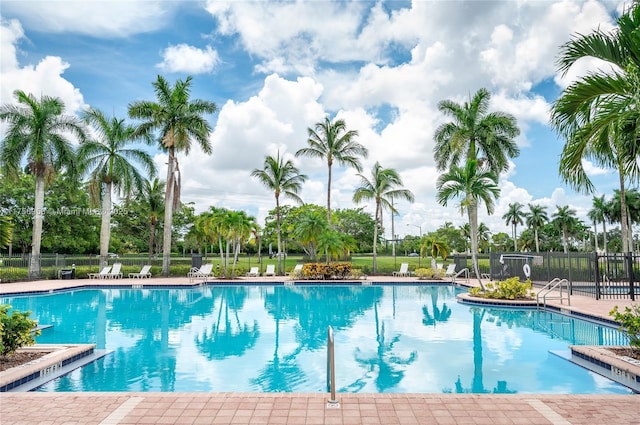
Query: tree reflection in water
(228, 336)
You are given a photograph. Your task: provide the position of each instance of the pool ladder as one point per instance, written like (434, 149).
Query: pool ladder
(331, 369)
(555, 284)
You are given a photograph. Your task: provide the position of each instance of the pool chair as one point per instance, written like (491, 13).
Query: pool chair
(296, 270)
(115, 272)
(200, 273)
(144, 272)
(404, 270)
(451, 271)
(105, 271)
(253, 272)
(271, 270)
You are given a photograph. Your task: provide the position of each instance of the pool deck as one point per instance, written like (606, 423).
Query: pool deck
(302, 408)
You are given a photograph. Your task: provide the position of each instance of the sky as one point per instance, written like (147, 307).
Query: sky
(274, 69)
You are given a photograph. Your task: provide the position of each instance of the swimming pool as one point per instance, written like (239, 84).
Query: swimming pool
(273, 338)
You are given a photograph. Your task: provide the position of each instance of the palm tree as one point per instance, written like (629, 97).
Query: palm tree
(331, 141)
(436, 247)
(39, 130)
(598, 214)
(598, 114)
(283, 178)
(477, 134)
(472, 185)
(152, 199)
(536, 219)
(484, 234)
(6, 230)
(384, 187)
(179, 120)
(310, 225)
(109, 160)
(565, 219)
(514, 216)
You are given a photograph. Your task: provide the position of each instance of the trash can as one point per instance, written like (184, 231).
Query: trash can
(196, 260)
(67, 274)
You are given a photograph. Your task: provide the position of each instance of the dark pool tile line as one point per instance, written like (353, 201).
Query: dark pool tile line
(37, 374)
(590, 359)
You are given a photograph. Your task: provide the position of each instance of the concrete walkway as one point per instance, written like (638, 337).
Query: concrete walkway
(353, 409)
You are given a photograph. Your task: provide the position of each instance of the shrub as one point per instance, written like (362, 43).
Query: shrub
(425, 273)
(356, 274)
(15, 330)
(509, 289)
(629, 323)
(326, 271)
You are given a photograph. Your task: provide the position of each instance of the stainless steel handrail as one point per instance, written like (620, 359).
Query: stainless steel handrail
(331, 366)
(551, 286)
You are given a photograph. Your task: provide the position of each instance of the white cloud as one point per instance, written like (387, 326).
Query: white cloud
(120, 18)
(42, 78)
(189, 59)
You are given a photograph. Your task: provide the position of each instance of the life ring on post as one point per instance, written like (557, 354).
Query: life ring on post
(527, 270)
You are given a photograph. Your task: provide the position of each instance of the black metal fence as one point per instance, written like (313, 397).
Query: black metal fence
(610, 276)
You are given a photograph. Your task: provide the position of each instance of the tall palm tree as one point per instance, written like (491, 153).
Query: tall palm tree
(332, 142)
(38, 130)
(283, 178)
(384, 187)
(178, 119)
(110, 162)
(471, 185)
(477, 134)
(514, 216)
(598, 114)
(152, 199)
(565, 219)
(536, 219)
(599, 214)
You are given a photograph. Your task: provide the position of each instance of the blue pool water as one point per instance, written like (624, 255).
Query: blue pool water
(273, 338)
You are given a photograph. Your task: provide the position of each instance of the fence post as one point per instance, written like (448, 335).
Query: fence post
(597, 272)
(632, 291)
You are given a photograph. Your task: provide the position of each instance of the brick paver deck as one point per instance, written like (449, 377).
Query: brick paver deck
(354, 409)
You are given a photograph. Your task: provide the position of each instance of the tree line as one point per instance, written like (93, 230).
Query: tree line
(597, 115)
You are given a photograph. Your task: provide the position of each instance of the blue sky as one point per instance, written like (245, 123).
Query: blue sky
(276, 68)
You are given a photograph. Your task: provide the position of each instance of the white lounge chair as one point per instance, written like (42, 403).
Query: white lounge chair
(451, 270)
(253, 272)
(297, 269)
(271, 270)
(200, 273)
(404, 270)
(115, 272)
(144, 272)
(105, 271)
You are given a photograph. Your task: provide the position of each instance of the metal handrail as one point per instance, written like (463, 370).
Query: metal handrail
(331, 366)
(555, 283)
(464, 271)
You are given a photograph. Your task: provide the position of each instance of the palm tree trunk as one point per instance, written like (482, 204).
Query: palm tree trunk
(375, 238)
(624, 221)
(565, 240)
(535, 232)
(168, 213)
(515, 241)
(595, 232)
(105, 225)
(36, 239)
(278, 232)
(604, 235)
(473, 224)
(329, 196)
(152, 236)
